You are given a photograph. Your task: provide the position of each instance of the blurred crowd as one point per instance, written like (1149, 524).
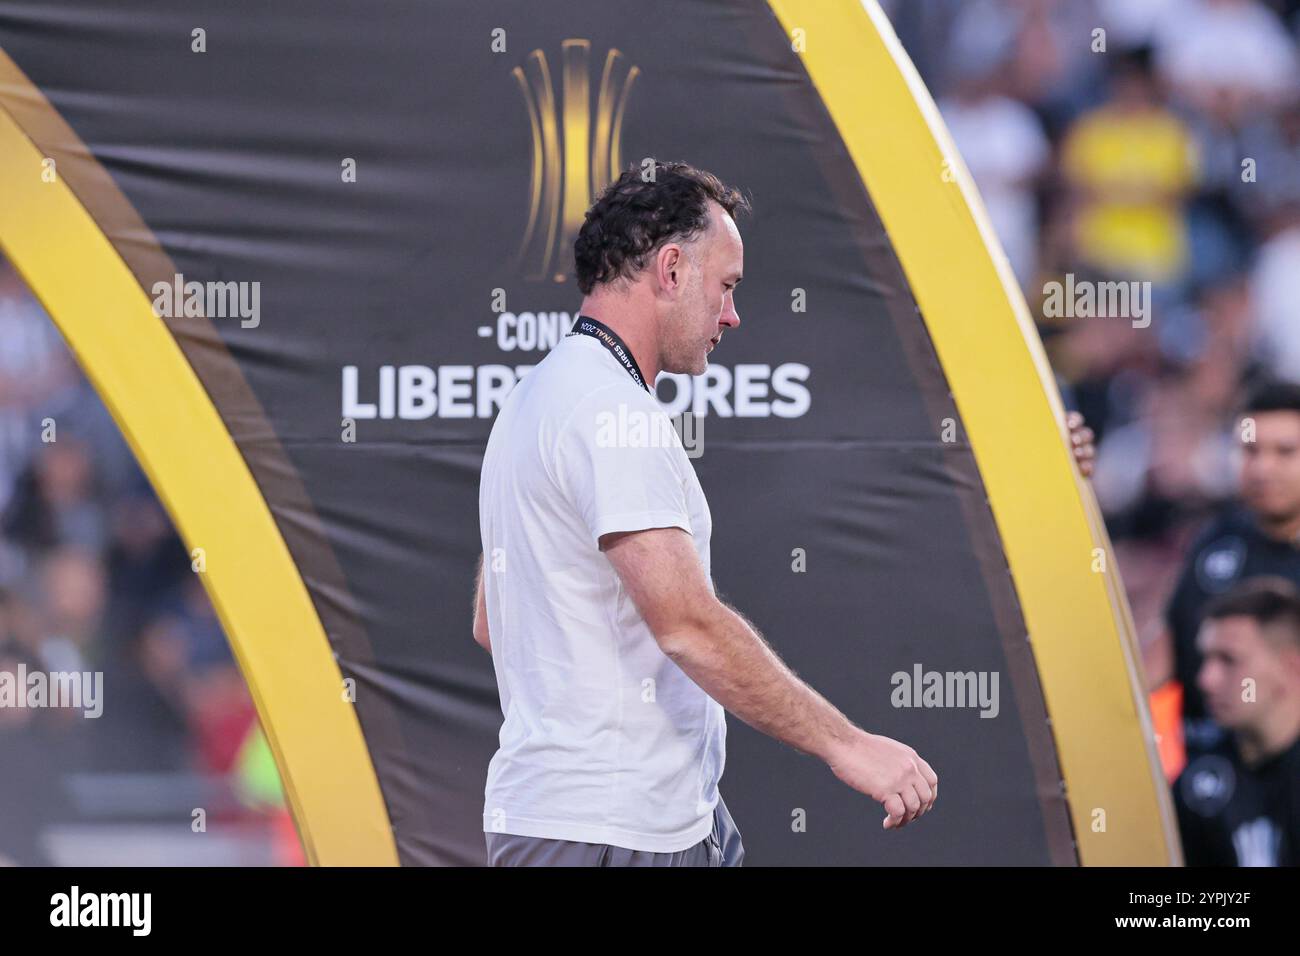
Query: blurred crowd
(1151, 141)
(93, 578)
(1157, 142)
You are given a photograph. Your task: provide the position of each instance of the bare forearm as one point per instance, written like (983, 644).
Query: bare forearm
(727, 657)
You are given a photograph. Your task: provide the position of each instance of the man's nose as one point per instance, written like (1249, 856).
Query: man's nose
(730, 317)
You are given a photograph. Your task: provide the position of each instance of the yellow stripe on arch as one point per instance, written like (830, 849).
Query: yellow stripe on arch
(181, 443)
(1078, 620)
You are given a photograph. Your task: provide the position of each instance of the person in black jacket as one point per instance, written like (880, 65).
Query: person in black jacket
(1257, 536)
(1238, 798)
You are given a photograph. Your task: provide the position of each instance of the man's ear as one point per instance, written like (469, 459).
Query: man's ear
(670, 261)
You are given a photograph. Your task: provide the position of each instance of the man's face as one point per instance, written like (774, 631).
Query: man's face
(1234, 649)
(714, 264)
(1270, 467)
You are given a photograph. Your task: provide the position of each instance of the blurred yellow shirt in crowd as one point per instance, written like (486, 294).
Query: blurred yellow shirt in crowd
(1132, 167)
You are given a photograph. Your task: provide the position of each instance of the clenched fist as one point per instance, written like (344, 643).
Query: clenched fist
(890, 773)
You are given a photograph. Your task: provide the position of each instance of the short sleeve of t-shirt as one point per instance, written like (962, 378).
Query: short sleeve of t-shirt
(616, 463)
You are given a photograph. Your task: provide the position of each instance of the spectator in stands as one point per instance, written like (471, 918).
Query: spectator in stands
(1130, 165)
(1275, 284)
(1238, 799)
(1257, 536)
(1002, 143)
(1227, 56)
(56, 502)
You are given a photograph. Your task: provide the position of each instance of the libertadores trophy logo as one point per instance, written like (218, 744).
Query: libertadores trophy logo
(577, 151)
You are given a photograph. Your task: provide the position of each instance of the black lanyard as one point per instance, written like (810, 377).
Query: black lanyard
(607, 337)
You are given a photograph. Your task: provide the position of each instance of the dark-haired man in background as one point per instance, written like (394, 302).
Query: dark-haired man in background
(1258, 536)
(1238, 799)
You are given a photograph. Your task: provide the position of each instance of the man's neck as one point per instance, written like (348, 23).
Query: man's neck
(1277, 732)
(634, 326)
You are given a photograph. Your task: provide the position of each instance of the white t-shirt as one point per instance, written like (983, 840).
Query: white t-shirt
(605, 740)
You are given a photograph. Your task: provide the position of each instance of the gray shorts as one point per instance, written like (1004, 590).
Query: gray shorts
(722, 847)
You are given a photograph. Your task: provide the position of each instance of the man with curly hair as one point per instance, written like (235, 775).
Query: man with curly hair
(614, 657)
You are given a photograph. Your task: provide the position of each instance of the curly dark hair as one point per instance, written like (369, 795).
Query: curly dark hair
(633, 218)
